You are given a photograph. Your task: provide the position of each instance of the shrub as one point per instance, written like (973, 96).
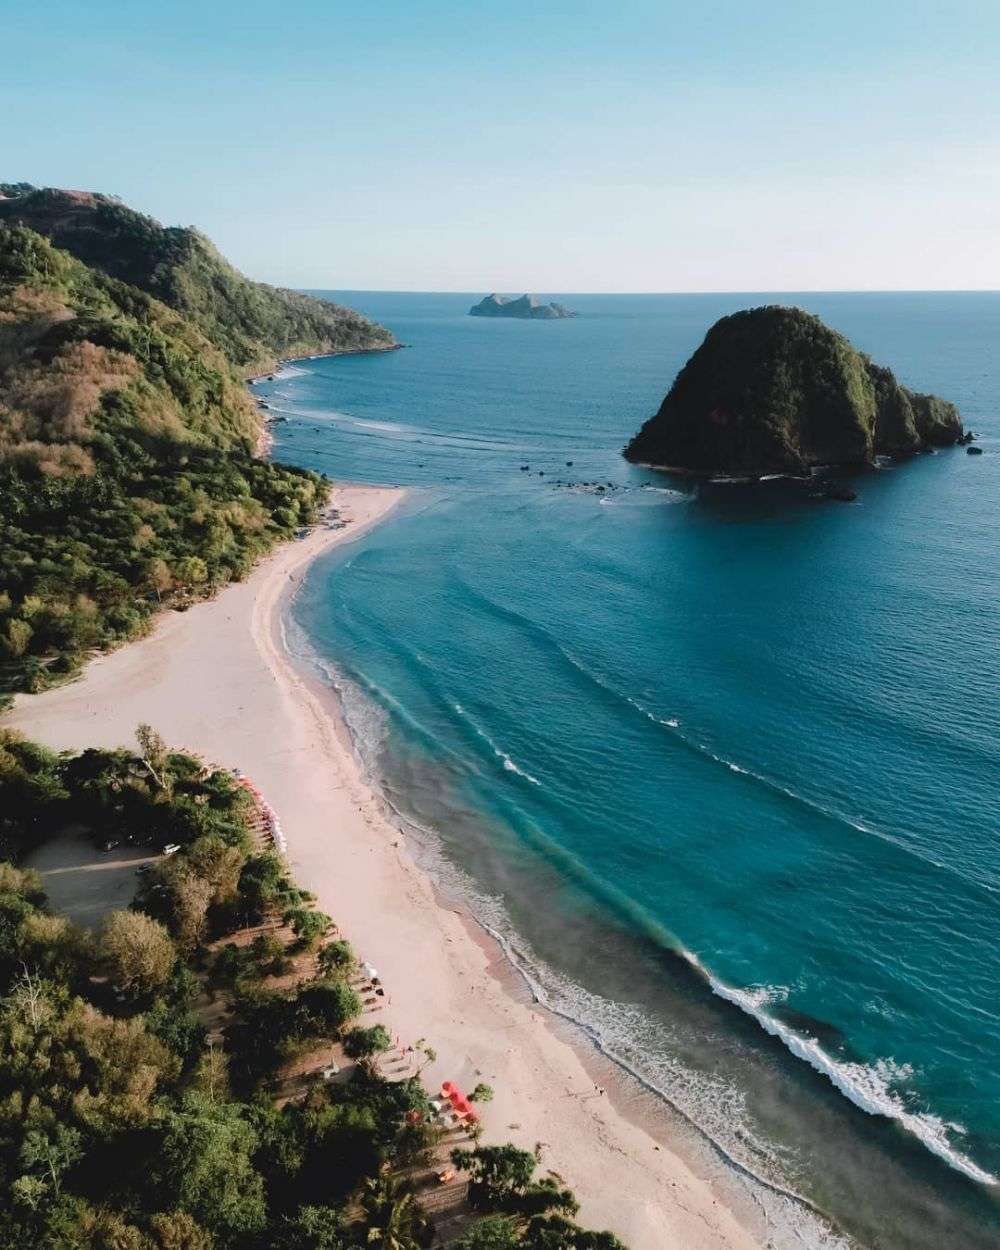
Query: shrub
(137, 951)
(360, 1043)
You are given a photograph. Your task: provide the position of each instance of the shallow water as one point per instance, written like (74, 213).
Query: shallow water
(758, 731)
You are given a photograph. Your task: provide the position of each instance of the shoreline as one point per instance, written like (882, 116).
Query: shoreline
(348, 351)
(219, 679)
(264, 444)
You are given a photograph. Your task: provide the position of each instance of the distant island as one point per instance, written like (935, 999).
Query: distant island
(774, 390)
(527, 308)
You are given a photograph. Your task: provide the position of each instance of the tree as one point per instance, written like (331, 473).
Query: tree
(191, 571)
(181, 898)
(324, 1006)
(157, 576)
(308, 926)
(263, 886)
(337, 956)
(310, 1228)
(17, 637)
(482, 1093)
(153, 753)
(176, 1230)
(50, 945)
(137, 951)
(78, 1226)
(217, 864)
(544, 1196)
(204, 1166)
(494, 1232)
(361, 1043)
(556, 1232)
(48, 1153)
(498, 1175)
(121, 1068)
(392, 1218)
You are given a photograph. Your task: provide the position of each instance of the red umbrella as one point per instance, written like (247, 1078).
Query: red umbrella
(447, 1088)
(460, 1102)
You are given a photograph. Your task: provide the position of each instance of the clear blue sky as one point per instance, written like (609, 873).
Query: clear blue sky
(626, 145)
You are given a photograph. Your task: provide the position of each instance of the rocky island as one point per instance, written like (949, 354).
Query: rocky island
(774, 390)
(527, 308)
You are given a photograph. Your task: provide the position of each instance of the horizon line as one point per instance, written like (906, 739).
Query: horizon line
(390, 290)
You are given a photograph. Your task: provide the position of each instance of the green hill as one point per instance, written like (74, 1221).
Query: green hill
(251, 323)
(127, 469)
(774, 390)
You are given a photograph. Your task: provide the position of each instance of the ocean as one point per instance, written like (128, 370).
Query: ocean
(722, 768)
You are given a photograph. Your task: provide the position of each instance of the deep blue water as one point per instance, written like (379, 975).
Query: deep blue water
(761, 731)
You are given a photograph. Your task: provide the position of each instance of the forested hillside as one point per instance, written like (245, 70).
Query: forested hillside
(127, 468)
(251, 323)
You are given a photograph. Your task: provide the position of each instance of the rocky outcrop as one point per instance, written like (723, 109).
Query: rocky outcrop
(774, 390)
(527, 308)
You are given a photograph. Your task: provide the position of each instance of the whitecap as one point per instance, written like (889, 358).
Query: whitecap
(499, 752)
(872, 1087)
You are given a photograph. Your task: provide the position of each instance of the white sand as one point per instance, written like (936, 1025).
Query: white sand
(217, 679)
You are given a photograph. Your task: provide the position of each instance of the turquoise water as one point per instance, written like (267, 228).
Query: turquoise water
(758, 731)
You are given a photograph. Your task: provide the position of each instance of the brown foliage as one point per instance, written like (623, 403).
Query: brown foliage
(48, 408)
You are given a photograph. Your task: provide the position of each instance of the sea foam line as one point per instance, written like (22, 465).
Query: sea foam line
(868, 1086)
(776, 787)
(540, 996)
(498, 751)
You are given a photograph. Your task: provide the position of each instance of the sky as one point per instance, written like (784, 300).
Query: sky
(551, 147)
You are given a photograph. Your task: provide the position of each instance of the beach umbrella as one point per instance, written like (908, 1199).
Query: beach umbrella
(459, 1101)
(447, 1088)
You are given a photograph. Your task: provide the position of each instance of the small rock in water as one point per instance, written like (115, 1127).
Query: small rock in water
(973, 451)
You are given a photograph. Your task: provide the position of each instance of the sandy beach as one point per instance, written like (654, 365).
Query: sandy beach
(217, 679)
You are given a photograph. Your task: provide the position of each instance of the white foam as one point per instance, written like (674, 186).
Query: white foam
(868, 1086)
(669, 722)
(394, 426)
(499, 752)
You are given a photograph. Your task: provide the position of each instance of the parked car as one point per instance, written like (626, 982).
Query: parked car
(171, 848)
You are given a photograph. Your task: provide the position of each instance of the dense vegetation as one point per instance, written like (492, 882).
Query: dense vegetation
(251, 323)
(125, 1126)
(775, 390)
(127, 473)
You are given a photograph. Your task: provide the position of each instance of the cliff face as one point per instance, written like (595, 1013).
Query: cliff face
(527, 308)
(251, 323)
(774, 390)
